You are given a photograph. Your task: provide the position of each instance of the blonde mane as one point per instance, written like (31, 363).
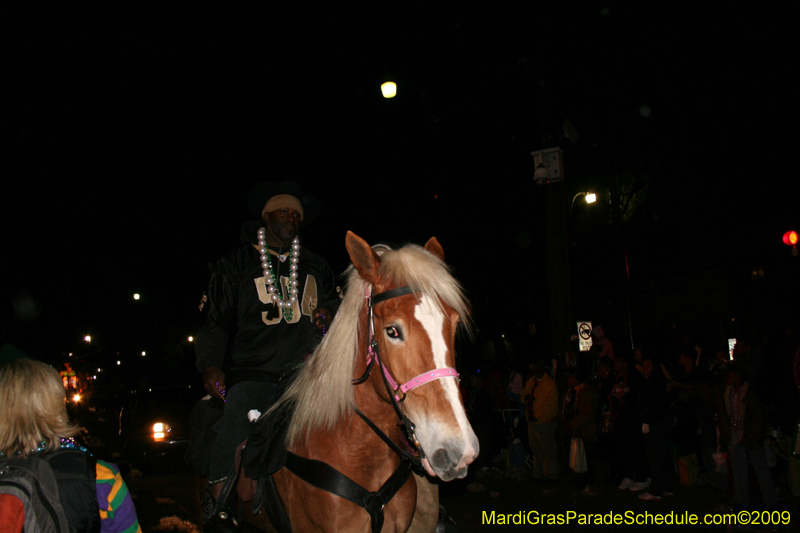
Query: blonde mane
(322, 392)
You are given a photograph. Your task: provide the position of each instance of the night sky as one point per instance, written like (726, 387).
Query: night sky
(133, 135)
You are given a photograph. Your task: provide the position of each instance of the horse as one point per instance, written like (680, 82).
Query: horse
(385, 365)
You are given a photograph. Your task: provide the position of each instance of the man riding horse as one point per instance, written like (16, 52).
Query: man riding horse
(266, 300)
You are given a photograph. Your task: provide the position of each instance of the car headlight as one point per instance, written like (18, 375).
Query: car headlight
(160, 431)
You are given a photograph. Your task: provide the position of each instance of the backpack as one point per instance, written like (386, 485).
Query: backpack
(30, 484)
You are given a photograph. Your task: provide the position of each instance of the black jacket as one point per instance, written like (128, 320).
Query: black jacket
(262, 347)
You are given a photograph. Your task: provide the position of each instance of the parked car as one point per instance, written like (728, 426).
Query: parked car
(154, 423)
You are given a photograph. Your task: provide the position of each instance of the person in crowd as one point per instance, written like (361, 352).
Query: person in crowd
(743, 430)
(516, 380)
(581, 422)
(696, 431)
(629, 458)
(718, 367)
(33, 420)
(604, 383)
(656, 417)
(540, 395)
(480, 410)
(602, 348)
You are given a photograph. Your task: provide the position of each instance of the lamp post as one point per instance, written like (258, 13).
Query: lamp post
(550, 172)
(590, 199)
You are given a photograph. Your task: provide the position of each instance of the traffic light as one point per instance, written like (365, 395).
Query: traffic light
(790, 239)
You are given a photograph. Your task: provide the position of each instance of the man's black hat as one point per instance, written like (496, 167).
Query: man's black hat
(265, 190)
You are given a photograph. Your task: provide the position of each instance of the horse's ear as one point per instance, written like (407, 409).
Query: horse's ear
(435, 248)
(363, 257)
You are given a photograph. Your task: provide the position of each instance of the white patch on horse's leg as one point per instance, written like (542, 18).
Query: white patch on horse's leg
(432, 320)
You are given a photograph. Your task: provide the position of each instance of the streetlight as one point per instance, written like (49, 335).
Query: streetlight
(136, 296)
(590, 199)
(87, 338)
(389, 89)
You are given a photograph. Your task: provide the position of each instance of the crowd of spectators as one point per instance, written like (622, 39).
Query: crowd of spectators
(677, 414)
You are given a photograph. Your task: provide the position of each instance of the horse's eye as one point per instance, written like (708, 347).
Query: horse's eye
(393, 333)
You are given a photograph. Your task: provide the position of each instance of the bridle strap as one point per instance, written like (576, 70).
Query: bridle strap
(423, 378)
(426, 377)
(388, 295)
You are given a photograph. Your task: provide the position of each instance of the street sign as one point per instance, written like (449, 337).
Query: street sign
(585, 336)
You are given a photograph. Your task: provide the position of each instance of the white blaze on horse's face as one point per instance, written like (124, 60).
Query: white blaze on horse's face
(445, 434)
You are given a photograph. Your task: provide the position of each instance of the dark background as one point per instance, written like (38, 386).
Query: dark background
(133, 135)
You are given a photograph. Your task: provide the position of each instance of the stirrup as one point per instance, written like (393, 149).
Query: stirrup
(445, 524)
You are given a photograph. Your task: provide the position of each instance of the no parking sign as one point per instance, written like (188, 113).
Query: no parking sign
(585, 336)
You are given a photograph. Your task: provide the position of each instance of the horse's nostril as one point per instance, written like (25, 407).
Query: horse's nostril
(441, 460)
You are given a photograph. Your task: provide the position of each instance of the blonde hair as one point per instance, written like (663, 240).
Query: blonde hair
(33, 411)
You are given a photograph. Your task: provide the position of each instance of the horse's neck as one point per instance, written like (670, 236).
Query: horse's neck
(352, 447)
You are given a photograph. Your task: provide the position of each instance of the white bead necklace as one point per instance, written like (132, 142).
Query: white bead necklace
(285, 305)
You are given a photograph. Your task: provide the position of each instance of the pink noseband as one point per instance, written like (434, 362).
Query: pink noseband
(425, 377)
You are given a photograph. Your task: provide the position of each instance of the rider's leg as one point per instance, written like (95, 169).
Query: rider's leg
(234, 427)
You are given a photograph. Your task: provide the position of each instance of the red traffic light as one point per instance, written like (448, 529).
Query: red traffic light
(790, 238)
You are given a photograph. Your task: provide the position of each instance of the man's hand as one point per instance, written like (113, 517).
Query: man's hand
(214, 382)
(322, 319)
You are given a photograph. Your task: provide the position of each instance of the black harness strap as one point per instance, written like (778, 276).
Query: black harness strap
(267, 492)
(325, 477)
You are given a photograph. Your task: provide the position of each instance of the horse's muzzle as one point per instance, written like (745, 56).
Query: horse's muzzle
(451, 462)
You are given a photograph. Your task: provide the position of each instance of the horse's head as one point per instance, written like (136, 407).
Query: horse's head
(416, 333)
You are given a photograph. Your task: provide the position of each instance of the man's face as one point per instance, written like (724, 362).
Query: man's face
(284, 223)
(647, 368)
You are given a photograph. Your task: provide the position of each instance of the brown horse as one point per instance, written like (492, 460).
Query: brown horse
(407, 306)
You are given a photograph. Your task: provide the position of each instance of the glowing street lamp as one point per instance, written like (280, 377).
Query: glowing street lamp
(136, 296)
(87, 338)
(389, 89)
(589, 196)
